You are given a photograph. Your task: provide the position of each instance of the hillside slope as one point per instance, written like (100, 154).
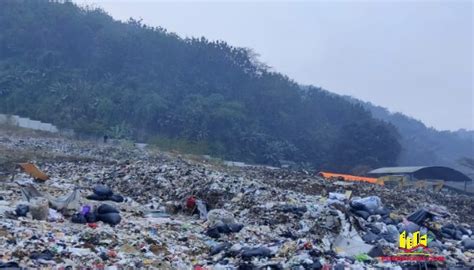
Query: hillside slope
(79, 68)
(422, 145)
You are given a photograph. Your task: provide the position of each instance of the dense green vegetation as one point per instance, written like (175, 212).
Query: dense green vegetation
(78, 68)
(422, 145)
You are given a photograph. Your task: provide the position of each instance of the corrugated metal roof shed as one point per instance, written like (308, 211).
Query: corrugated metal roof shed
(401, 170)
(425, 172)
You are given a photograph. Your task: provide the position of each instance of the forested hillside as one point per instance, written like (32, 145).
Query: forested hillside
(422, 145)
(78, 68)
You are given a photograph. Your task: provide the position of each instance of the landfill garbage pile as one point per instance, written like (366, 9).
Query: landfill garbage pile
(116, 206)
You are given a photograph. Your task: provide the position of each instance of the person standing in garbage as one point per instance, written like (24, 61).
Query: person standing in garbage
(106, 138)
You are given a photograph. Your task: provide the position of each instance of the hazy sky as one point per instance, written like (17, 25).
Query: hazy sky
(415, 57)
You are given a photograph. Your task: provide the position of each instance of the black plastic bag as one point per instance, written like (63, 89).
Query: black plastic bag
(376, 251)
(248, 253)
(96, 197)
(44, 255)
(9, 265)
(91, 217)
(78, 218)
(102, 190)
(21, 210)
(116, 198)
(235, 227)
(106, 209)
(363, 214)
(370, 237)
(420, 216)
(213, 232)
(110, 218)
(219, 248)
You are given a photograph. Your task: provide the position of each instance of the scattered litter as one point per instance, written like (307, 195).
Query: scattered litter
(202, 209)
(39, 208)
(368, 204)
(33, 171)
(468, 244)
(349, 242)
(66, 202)
(420, 216)
(108, 206)
(216, 216)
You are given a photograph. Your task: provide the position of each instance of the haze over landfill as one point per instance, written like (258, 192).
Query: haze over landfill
(413, 57)
(126, 146)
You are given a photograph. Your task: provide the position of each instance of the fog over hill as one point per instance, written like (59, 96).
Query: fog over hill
(422, 145)
(79, 68)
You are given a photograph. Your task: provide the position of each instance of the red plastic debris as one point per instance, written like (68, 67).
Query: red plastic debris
(308, 245)
(92, 225)
(191, 202)
(111, 253)
(327, 267)
(99, 266)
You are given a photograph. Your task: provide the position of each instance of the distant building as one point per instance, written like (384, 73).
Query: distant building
(423, 173)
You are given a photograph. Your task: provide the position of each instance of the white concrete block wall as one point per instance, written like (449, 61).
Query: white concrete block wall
(23, 122)
(27, 123)
(48, 127)
(33, 124)
(10, 119)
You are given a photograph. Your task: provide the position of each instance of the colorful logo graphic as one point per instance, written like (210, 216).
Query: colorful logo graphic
(414, 247)
(410, 244)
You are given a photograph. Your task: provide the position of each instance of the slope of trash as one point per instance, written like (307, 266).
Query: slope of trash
(114, 206)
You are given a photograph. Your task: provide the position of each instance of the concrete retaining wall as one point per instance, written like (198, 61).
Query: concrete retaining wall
(23, 122)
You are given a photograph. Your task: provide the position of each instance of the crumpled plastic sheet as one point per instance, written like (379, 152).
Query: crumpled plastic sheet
(66, 202)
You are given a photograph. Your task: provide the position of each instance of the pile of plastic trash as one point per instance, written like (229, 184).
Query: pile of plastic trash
(118, 206)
